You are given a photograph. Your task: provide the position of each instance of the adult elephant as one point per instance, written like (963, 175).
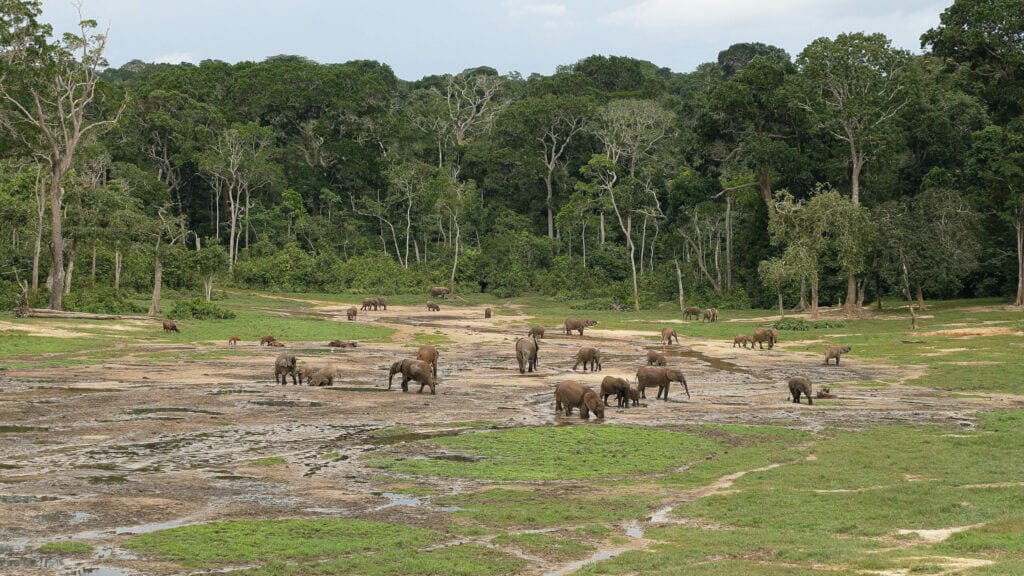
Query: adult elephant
(577, 324)
(762, 335)
(440, 291)
(526, 354)
(588, 356)
(661, 377)
(691, 311)
(572, 394)
(416, 370)
(428, 354)
(667, 334)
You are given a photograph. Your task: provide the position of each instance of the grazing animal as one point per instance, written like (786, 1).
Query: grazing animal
(590, 356)
(305, 372)
(382, 302)
(440, 291)
(536, 331)
(572, 394)
(655, 358)
(428, 354)
(276, 344)
(741, 339)
(691, 311)
(369, 304)
(416, 370)
(233, 341)
(323, 377)
(351, 313)
(340, 344)
(762, 335)
(798, 385)
(835, 352)
(617, 386)
(433, 307)
(634, 397)
(284, 365)
(711, 315)
(487, 312)
(661, 377)
(577, 324)
(170, 326)
(267, 339)
(667, 334)
(526, 354)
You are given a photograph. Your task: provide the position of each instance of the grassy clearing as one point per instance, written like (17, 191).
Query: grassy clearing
(545, 545)
(267, 541)
(561, 453)
(437, 338)
(539, 508)
(463, 560)
(66, 547)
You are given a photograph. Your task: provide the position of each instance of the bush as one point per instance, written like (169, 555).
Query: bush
(199, 309)
(101, 301)
(800, 325)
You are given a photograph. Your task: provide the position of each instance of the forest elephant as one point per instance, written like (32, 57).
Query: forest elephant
(526, 354)
(428, 354)
(536, 331)
(267, 339)
(577, 324)
(369, 304)
(762, 335)
(351, 313)
(396, 368)
(433, 307)
(276, 344)
(572, 394)
(613, 385)
(284, 365)
(382, 302)
(835, 352)
(440, 291)
(691, 311)
(323, 376)
(711, 315)
(798, 385)
(305, 372)
(655, 358)
(487, 312)
(591, 356)
(661, 377)
(419, 371)
(170, 326)
(633, 395)
(667, 334)
(741, 340)
(233, 341)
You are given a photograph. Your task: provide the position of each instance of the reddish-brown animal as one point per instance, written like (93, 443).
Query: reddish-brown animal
(572, 394)
(170, 326)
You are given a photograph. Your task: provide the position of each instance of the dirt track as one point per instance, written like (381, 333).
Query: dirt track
(132, 446)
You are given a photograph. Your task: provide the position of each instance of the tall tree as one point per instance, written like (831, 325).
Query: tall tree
(50, 94)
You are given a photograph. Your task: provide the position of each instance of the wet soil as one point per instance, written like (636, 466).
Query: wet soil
(98, 453)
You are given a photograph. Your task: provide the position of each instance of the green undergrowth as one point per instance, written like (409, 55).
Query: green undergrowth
(541, 508)
(555, 453)
(460, 560)
(66, 547)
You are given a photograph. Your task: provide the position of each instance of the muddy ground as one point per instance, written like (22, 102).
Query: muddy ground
(134, 445)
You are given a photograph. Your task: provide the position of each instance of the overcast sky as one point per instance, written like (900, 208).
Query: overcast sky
(421, 37)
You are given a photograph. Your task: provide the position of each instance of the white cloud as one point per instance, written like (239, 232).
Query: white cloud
(175, 58)
(545, 10)
(666, 13)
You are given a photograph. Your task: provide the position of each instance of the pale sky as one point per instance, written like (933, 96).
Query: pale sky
(422, 37)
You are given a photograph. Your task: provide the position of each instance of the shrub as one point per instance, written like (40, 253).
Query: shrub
(199, 309)
(800, 325)
(101, 301)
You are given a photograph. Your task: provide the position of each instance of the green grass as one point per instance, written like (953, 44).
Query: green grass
(536, 508)
(270, 461)
(546, 545)
(263, 541)
(461, 560)
(436, 339)
(66, 547)
(557, 453)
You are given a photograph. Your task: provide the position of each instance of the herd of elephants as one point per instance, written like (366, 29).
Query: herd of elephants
(568, 394)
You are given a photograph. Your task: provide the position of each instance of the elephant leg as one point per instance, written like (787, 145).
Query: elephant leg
(421, 388)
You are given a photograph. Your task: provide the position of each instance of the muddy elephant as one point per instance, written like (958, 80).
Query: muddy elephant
(591, 356)
(615, 386)
(416, 370)
(667, 334)
(577, 324)
(691, 311)
(572, 394)
(440, 291)
(526, 354)
(711, 315)
(433, 307)
(798, 385)
(762, 335)
(741, 340)
(655, 358)
(170, 326)
(536, 331)
(487, 312)
(835, 352)
(660, 376)
(276, 344)
(284, 365)
(351, 313)
(323, 376)
(267, 339)
(382, 302)
(369, 304)
(233, 341)
(633, 396)
(428, 354)
(305, 372)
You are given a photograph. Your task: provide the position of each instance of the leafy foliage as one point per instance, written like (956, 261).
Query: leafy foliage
(200, 309)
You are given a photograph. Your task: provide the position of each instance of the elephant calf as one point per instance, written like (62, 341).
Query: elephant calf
(416, 370)
(661, 377)
(536, 331)
(351, 313)
(655, 358)
(667, 334)
(711, 315)
(487, 312)
(526, 354)
(741, 340)
(617, 386)
(267, 339)
(572, 394)
(433, 307)
(170, 326)
(798, 385)
(284, 365)
(428, 354)
(591, 356)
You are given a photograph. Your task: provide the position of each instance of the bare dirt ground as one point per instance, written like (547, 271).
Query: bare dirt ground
(131, 446)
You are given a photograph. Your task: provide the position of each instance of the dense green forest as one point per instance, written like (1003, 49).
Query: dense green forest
(849, 171)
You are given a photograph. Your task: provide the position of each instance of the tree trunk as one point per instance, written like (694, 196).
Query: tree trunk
(1020, 264)
(41, 215)
(92, 275)
(728, 243)
(862, 289)
(814, 297)
(208, 288)
(920, 295)
(551, 211)
(455, 262)
(72, 254)
(878, 290)
(583, 242)
(117, 269)
(802, 307)
(632, 261)
(679, 281)
(782, 313)
(56, 243)
(158, 272)
(850, 305)
(602, 227)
